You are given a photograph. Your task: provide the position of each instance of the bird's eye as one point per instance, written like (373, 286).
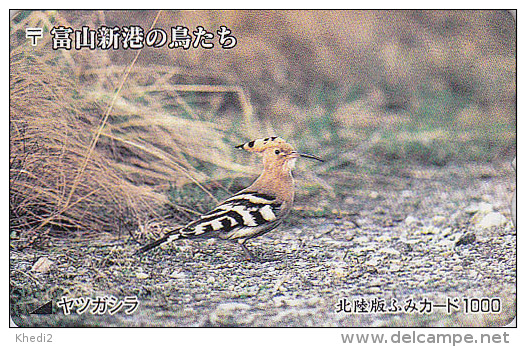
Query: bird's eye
(277, 151)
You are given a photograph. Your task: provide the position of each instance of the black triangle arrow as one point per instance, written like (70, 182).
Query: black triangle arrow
(47, 308)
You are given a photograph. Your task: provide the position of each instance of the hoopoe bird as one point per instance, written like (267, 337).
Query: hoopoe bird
(253, 211)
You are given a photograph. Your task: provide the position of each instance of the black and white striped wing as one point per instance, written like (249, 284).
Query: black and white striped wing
(244, 215)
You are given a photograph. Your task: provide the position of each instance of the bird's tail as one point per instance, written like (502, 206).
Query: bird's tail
(169, 237)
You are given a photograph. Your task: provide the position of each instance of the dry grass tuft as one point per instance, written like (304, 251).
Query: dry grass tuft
(74, 169)
(50, 131)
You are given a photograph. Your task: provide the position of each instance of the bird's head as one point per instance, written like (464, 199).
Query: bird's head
(277, 153)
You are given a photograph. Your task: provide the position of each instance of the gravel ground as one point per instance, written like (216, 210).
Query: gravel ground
(385, 248)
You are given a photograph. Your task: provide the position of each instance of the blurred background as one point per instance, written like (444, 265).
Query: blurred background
(365, 90)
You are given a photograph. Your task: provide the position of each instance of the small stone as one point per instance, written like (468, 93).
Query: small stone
(427, 230)
(407, 193)
(42, 265)
(279, 282)
(294, 302)
(383, 238)
(349, 235)
(313, 301)
(448, 244)
(447, 232)
(358, 251)
(372, 290)
(278, 301)
(348, 200)
(390, 251)
(447, 253)
(482, 207)
(373, 194)
(473, 273)
(410, 220)
(141, 275)
(394, 268)
(493, 219)
(466, 239)
(231, 314)
(339, 271)
(379, 210)
(349, 224)
(199, 297)
(178, 275)
(361, 239)
(377, 282)
(232, 306)
(438, 220)
(372, 262)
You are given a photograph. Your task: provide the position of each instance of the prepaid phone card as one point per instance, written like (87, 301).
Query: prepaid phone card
(131, 132)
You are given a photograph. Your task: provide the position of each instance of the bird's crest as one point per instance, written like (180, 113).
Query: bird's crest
(260, 145)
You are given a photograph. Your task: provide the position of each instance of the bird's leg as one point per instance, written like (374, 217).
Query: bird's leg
(248, 254)
(251, 257)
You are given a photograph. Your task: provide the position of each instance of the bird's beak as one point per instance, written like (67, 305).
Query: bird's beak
(310, 156)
